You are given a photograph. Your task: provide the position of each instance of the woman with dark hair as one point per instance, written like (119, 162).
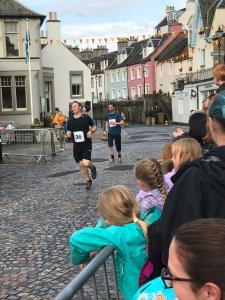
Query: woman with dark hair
(196, 267)
(199, 191)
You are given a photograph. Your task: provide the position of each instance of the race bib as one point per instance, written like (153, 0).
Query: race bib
(110, 122)
(78, 136)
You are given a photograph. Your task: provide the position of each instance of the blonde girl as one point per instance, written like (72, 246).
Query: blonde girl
(184, 151)
(150, 180)
(123, 230)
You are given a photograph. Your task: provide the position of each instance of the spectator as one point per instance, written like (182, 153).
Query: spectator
(59, 119)
(149, 178)
(219, 77)
(123, 230)
(184, 151)
(196, 268)
(199, 190)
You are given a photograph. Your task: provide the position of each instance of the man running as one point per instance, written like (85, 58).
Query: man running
(81, 128)
(113, 127)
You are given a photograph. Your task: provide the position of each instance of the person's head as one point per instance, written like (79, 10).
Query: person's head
(184, 151)
(197, 126)
(84, 111)
(166, 152)
(167, 166)
(197, 253)
(76, 107)
(205, 104)
(219, 74)
(217, 119)
(117, 206)
(149, 176)
(111, 107)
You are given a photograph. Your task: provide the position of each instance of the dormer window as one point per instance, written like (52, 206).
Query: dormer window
(121, 57)
(104, 64)
(92, 66)
(148, 49)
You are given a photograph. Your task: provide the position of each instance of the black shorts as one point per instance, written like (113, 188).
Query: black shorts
(117, 139)
(80, 153)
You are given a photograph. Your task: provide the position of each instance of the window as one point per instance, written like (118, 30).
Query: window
(92, 82)
(139, 90)
(76, 85)
(112, 78)
(102, 63)
(20, 92)
(92, 95)
(92, 66)
(118, 94)
(48, 95)
(139, 72)
(132, 74)
(124, 75)
(100, 81)
(202, 58)
(100, 97)
(113, 94)
(124, 93)
(133, 92)
(180, 106)
(11, 39)
(145, 72)
(6, 92)
(146, 89)
(118, 76)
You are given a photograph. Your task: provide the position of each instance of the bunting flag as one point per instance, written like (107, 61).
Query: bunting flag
(93, 41)
(65, 41)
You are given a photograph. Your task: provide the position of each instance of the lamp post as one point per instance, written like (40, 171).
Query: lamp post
(218, 37)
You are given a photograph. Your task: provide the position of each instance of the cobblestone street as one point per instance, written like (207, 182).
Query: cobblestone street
(42, 204)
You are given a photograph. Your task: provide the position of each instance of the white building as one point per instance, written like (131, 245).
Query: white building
(72, 78)
(16, 103)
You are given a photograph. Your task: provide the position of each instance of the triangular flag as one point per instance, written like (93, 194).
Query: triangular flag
(143, 36)
(87, 41)
(81, 40)
(112, 39)
(99, 40)
(93, 41)
(51, 41)
(106, 40)
(64, 41)
(74, 41)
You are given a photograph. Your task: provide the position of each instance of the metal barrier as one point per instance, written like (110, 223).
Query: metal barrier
(90, 271)
(33, 143)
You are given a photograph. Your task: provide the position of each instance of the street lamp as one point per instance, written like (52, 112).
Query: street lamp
(218, 37)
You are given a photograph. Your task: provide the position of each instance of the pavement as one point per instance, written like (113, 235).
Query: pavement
(42, 204)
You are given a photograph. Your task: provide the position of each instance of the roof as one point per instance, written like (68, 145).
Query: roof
(175, 48)
(221, 4)
(12, 8)
(208, 8)
(134, 53)
(162, 23)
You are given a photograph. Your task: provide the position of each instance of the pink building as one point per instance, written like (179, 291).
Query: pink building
(141, 65)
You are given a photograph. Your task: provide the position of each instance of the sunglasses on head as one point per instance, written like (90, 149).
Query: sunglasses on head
(168, 278)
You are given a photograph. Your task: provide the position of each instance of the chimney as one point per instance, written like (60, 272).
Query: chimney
(99, 51)
(53, 27)
(122, 44)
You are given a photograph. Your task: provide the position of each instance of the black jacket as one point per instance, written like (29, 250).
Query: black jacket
(198, 192)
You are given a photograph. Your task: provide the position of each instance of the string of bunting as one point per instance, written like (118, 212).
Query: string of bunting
(111, 40)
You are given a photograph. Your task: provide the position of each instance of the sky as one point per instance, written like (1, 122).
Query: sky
(94, 19)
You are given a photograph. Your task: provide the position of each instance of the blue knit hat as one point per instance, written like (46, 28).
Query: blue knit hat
(217, 108)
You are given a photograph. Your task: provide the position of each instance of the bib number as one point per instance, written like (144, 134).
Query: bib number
(78, 136)
(112, 121)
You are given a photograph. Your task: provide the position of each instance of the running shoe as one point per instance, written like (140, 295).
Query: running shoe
(94, 173)
(88, 184)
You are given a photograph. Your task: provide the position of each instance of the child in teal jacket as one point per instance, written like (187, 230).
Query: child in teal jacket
(118, 208)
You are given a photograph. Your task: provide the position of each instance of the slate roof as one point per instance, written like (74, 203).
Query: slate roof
(205, 11)
(12, 8)
(134, 53)
(175, 48)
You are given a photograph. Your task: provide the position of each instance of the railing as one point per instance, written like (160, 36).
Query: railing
(96, 269)
(201, 75)
(35, 144)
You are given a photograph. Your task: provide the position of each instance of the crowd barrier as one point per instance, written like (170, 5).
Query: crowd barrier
(36, 144)
(102, 272)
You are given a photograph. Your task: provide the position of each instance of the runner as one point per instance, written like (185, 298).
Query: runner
(81, 128)
(113, 126)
